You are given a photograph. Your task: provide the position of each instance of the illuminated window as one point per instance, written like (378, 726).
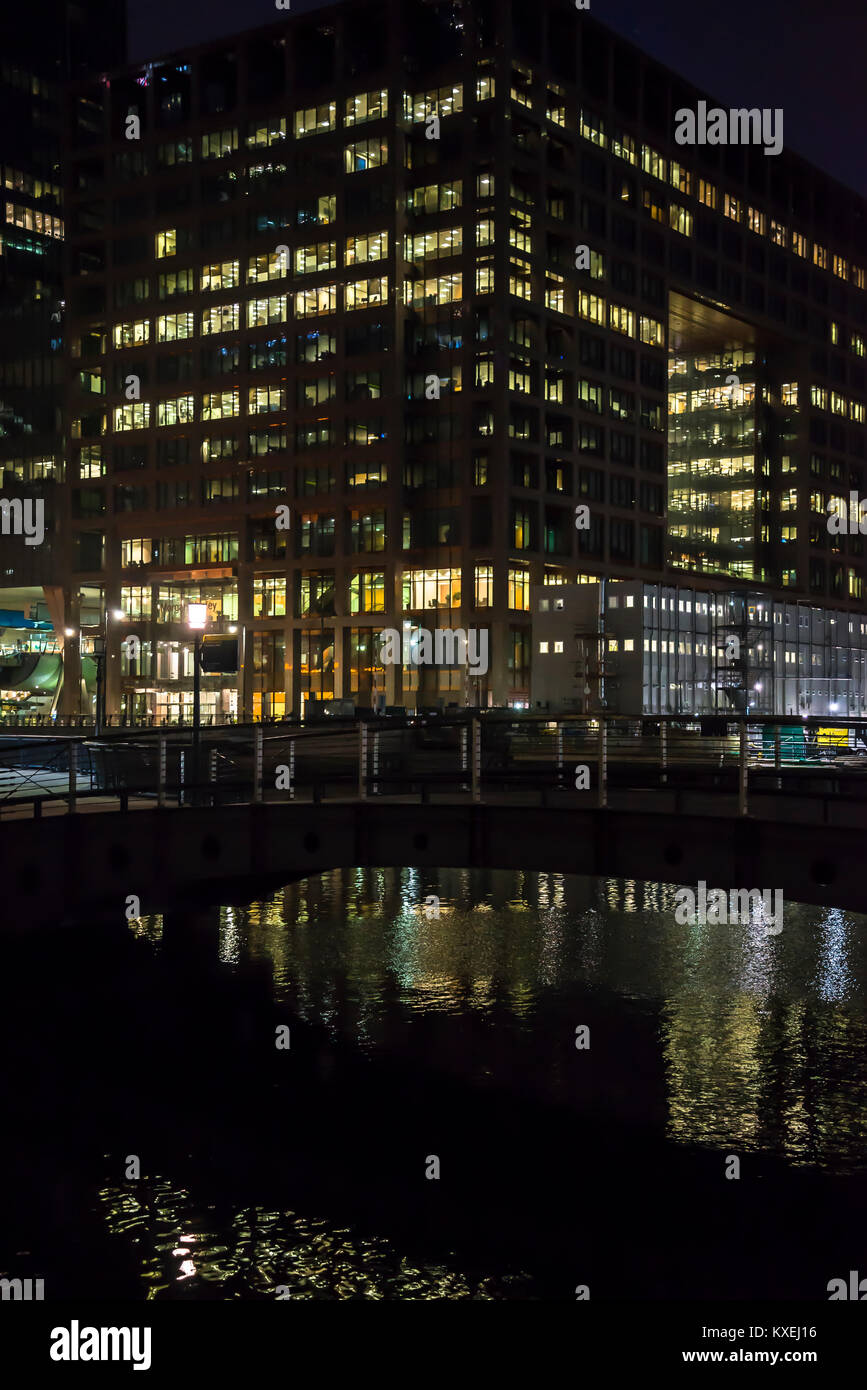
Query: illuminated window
(322, 255)
(859, 277)
(555, 292)
(680, 219)
(367, 592)
(756, 222)
(269, 596)
(431, 588)
(484, 279)
(484, 586)
(440, 101)
(321, 300)
(621, 319)
(224, 276)
(543, 648)
(218, 143)
(519, 590)
(442, 289)
(221, 405)
(367, 106)
(135, 602)
(360, 294)
(624, 147)
(131, 334)
(312, 120)
(779, 235)
(591, 127)
(136, 415)
(261, 312)
(135, 552)
(680, 178)
(262, 400)
(221, 318)
(178, 411)
(267, 133)
(434, 197)
(800, 245)
(590, 396)
(519, 277)
(522, 78)
(32, 220)
(592, 307)
(364, 155)
(91, 463)
(819, 397)
(856, 344)
(446, 241)
(707, 193)
(166, 243)
(555, 108)
(652, 162)
(372, 247)
(273, 265)
(733, 207)
(173, 326)
(820, 256)
(651, 331)
(485, 88)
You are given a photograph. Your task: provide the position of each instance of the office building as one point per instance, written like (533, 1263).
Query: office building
(362, 307)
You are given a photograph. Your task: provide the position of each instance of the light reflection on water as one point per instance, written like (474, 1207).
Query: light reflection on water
(725, 1037)
(761, 1038)
(260, 1252)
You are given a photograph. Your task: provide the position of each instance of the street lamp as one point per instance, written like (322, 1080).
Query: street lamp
(197, 617)
(99, 658)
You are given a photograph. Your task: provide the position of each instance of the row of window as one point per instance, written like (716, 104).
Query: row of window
(255, 313)
(593, 129)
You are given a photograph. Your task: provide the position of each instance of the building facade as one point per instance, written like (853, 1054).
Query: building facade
(41, 48)
(629, 647)
(364, 307)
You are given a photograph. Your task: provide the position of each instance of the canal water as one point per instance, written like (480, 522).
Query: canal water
(489, 1085)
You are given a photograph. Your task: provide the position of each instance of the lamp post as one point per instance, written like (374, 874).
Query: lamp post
(197, 617)
(99, 658)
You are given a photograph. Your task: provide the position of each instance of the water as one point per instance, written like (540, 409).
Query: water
(415, 1038)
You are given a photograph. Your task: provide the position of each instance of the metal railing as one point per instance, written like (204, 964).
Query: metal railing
(573, 760)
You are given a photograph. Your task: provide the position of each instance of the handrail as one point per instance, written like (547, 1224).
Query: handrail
(580, 760)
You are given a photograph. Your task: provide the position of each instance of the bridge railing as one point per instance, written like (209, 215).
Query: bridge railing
(584, 760)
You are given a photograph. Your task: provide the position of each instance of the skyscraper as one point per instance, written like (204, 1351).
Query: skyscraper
(435, 277)
(41, 47)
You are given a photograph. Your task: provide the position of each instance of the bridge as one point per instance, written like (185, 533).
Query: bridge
(86, 823)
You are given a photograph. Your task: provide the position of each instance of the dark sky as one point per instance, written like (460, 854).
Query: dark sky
(807, 56)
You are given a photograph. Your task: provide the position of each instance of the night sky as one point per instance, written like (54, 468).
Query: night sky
(807, 57)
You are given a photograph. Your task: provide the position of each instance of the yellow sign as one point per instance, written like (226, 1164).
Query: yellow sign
(833, 738)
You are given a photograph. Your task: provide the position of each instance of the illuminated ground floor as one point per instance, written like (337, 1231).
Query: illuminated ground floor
(637, 648)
